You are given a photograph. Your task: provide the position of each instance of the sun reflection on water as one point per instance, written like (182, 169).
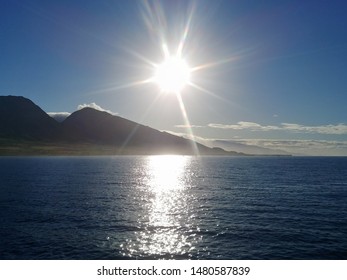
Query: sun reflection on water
(166, 227)
(166, 173)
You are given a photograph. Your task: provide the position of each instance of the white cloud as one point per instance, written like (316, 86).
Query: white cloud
(188, 126)
(59, 116)
(338, 129)
(299, 147)
(303, 147)
(244, 125)
(274, 146)
(96, 107)
(320, 129)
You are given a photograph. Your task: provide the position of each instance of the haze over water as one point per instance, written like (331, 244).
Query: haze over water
(173, 207)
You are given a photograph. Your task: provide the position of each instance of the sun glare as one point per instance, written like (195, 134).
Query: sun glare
(172, 75)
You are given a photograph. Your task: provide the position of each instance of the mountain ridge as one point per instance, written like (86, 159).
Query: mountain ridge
(20, 117)
(26, 129)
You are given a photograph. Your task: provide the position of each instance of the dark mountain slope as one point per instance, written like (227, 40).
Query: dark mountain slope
(89, 125)
(20, 118)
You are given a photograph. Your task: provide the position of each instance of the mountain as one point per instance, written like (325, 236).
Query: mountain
(236, 146)
(92, 126)
(26, 129)
(20, 118)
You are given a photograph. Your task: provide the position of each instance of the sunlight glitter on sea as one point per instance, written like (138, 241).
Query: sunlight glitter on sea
(166, 227)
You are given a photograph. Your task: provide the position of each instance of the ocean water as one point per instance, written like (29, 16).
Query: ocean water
(173, 207)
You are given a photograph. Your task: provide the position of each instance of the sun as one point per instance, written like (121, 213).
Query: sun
(172, 75)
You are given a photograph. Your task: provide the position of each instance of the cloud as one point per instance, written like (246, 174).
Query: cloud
(96, 107)
(188, 126)
(296, 147)
(274, 146)
(338, 129)
(304, 147)
(244, 125)
(59, 116)
(321, 129)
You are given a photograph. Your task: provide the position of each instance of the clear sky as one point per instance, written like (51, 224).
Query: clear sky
(271, 74)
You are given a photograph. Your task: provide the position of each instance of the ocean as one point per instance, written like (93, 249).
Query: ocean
(173, 207)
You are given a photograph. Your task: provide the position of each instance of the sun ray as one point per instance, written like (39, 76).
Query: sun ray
(112, 89)
(185, 33)
(130, 136)
(188, 125)
(155, 20)
(214, 63)
(141, 57)
(194, 85)
(166, 51)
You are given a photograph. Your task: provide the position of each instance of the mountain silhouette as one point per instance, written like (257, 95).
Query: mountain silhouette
(26, 129)
(97, 127)
(21, 119)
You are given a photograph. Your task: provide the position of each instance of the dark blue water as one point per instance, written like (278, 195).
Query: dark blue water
(164, 207)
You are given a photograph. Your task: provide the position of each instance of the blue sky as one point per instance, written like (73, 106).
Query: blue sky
(277, 78)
